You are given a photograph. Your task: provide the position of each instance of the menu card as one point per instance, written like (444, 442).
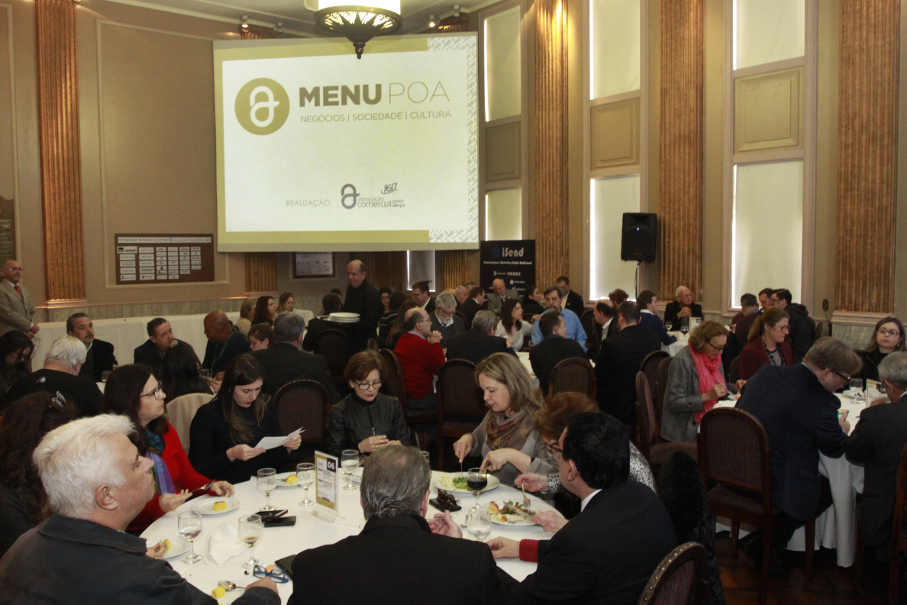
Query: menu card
(326, 481)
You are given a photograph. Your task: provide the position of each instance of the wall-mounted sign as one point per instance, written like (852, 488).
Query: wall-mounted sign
(313, 264)
(164, 259)
(512, 260)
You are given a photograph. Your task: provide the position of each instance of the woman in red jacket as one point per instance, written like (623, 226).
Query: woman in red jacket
(133, 391)
(766, 343)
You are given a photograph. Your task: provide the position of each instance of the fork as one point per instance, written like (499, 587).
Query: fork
(526, 501)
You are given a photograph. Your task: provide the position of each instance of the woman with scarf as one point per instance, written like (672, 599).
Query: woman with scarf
(506, 438)
(134, 392)
(766, 343)
(695, 383)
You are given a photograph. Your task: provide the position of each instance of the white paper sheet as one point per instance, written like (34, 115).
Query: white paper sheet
(270, 443)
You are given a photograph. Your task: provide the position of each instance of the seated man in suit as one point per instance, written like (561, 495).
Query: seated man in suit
(682, 306)
(799, 411)
(479, 342)
(224, 343)
(422, 295)
(96, 483)
(648, 316)
(801, 325)
(461, 293)
(499, 293)
(553, 349)
(749, 305)
(396, 559)
(876, 443)
(62, 364)
(618, 363)
(572, 300)
(284, 361)
(607, 552)
(160, 339)
(445, 319)
(475, 304)
(421, 357)
(575, 330)
(99, 356)
(605, 316)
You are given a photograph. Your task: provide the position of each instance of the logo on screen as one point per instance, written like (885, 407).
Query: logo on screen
(348, 192)
(262, 106)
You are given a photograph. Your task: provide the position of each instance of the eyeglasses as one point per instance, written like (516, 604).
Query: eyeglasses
(425, 321)
(58, 401)
(553, 449)
(447, 313)
(364, 386)
(156, 392)
(721, 348)
(846, 379)
(276, 574)
(886, 331)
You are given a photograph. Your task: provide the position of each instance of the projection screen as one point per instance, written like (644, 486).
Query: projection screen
(319, 151)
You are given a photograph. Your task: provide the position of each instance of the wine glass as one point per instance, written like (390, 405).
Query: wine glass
(267, 483)
(189, 524)
(668, 326)
(305, 476)
(479, 525)
(856, 389)
(250, 530)
(477, 480)
(349, 461)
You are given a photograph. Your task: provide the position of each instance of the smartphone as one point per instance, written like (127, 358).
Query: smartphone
(270, 514)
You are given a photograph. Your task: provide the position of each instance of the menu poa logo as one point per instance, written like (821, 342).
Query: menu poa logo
(262, 106)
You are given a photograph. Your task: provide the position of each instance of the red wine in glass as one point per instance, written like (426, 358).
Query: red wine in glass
(477, 480)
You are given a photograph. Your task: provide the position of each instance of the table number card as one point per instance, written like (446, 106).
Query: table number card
(326, 481)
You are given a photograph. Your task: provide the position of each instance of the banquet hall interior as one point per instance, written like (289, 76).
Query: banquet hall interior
(763, 134)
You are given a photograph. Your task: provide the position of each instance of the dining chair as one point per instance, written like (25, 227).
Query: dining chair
(656, 454)
(817, 332)
(395, 386)
(331, 344)
(593, 336)
(897, 542)
(460, 402)
(306, 404)
(734, 374)
(661, 386)
(736, 470)
(574, 375)
(678, 579)
(181, 411)
(649, 367)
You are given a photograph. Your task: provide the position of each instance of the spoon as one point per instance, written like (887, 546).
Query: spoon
(227, 585)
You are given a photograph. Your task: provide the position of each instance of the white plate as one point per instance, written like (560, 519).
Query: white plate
(344, 316)
(205, 507)
(522, 523)
(282, 480)
(493, 482)
(177, 545)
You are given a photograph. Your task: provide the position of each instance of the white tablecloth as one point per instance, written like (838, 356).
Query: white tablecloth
(524, 359)
(127, 333)
(311, 532)
(675, 348)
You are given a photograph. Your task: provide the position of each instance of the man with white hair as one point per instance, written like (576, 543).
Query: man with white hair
(461, 293)
(445, 319)
(96, 483)
(499, 293)
(396, 558)
(60, 373)
(682, 306)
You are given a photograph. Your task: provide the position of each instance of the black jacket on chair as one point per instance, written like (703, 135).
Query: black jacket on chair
(475, 346)
(398, 561)
(618, 362)
(98, 360)
(876, 443)
(284, 363)
(551, 351)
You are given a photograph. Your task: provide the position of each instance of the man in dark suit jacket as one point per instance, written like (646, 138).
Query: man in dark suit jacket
(553, 349)
(160, 339)
(284, 361)
(362, 298)
(475, 304)
(802, 327)
(480, 342)
(572, 300)
(396, 559)
(445, 320)
(799, 411)
(876, 443)
(223, 342)
(618, 362)
(606, 553)
(99, 356)
(422, 295)
(682, 306)
(648, 318)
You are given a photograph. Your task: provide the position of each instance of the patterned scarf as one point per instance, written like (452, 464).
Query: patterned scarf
(709, 371)
(163, 482)
(509, 432)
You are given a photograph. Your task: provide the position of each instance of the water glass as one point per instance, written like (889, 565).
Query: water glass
(426, 456)
(479, 525)
(250, 530)
(349, 462)
(189, 525)
(104, 375)
(266, 482)
(856, 389)
(305, 476)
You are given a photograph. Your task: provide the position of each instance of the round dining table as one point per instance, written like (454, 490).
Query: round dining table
(312, 531)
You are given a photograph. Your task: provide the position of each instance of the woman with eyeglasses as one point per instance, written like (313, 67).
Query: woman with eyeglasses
(695, 383)
(506, 438)
(887, 337)
(134, 392)
(15, 350)
(765, 344)
(512, 325)
(23, 503)
(226, 430)
(366, 419)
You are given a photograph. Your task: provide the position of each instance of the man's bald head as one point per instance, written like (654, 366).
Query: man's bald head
(498, 287)
(355, 273)
(12, 270)
(217, 327)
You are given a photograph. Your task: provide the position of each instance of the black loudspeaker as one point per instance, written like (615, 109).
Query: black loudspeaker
(638, 237)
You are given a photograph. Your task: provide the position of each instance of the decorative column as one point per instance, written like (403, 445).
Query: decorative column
(452, 269)
(868, 140)
(61, 164)
(384, 268)
(680, 221)
(551, 142)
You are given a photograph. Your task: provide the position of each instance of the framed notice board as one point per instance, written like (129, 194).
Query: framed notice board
(313, 264)
(144, 258)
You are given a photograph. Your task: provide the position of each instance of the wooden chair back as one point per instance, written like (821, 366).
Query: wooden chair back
(393, 381)
(679, 579)
(181, 411)
(645, 415)
(458, 395)
(573, 375)
(593, 337)
(649, 367)
(304, 403)
(734, 374)
(661, 384)
(331, 344)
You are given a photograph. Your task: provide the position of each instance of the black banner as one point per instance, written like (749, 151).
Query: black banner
(513, 261)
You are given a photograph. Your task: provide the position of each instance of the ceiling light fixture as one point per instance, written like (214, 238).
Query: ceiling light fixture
(431, 21)
(278, 27)
(359, 23)
(245, 22)
(456, 10)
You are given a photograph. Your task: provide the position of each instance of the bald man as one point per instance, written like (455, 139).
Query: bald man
(224, 343)
(362, 298)
(16, 306)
